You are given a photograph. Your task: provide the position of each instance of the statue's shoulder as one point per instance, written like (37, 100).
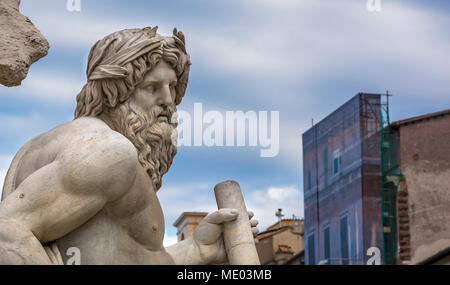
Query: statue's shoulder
(84, 134)
(86, 146)
(96, 156)
(89, 136)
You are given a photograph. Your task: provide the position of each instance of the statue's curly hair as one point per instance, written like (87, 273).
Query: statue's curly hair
(119, 62)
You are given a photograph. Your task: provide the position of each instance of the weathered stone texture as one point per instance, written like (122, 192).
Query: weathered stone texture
(21, 44)
(425, 164)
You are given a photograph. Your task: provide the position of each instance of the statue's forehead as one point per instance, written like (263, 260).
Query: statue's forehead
(162, 71)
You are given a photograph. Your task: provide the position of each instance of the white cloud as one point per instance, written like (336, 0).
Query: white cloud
(21, 128)
(185, 198)
(264, 203)
(169, 240)
(49, 87)
(314, 40)
(251, 55)
(291, 143)
(297, 42)
(280, 195)
(83, 29)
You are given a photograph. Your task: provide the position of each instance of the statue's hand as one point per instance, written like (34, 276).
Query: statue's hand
(53, 254)
(209, 233)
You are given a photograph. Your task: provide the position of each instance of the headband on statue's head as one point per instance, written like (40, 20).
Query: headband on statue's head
(109, 57)
(111, 66)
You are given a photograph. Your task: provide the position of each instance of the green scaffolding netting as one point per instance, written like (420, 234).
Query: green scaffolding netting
(390, 175)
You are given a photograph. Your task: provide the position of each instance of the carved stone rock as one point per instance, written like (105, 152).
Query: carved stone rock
(21, 44)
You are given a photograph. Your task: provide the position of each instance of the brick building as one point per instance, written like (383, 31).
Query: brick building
(423, 197)
(342, 183)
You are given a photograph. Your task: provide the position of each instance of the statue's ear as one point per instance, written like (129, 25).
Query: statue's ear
(181, 86)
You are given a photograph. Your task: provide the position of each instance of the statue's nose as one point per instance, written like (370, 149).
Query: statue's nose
(165, 97)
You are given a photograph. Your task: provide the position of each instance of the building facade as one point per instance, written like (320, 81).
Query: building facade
(423, 193)
(342, 184)
(186, 224)
(282, 243)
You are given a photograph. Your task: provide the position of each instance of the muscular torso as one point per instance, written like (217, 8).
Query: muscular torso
(127, 230)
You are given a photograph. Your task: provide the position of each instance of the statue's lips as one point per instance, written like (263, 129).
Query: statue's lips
(163, 118)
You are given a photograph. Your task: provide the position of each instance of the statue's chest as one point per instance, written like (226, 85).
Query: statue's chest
(139, 213)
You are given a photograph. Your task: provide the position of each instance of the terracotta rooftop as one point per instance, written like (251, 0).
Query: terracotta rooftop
(284, 222)
(420, 118)
(270, 233)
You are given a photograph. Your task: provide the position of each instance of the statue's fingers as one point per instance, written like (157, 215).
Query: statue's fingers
(254, 223)
(50, 254)
(250, 214)
(57, 254)
(255, 231)
(256, 240)
(222, 216)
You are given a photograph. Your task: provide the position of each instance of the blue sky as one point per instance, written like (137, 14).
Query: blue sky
(302, 58)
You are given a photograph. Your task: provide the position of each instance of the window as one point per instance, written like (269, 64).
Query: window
(336, 161)
(311, 250)
(326, 243)
(343, 225)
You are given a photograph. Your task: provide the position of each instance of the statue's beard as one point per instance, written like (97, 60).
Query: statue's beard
(152, 137)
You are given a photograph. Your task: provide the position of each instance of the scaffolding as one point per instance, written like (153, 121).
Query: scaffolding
(390, 174)
(390, 180)
(379, 172)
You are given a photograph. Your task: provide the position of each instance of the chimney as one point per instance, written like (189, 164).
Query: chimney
(187, 223)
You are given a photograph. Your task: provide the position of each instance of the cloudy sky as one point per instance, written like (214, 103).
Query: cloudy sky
(303, 58)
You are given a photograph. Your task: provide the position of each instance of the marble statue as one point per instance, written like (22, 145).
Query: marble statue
(91, 184)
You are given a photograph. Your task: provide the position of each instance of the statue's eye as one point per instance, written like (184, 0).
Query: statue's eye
(149, 87)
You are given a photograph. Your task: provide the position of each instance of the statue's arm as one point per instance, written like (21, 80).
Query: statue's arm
(189, 252)
(179, 252)
(59, 197)
(206, 245)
